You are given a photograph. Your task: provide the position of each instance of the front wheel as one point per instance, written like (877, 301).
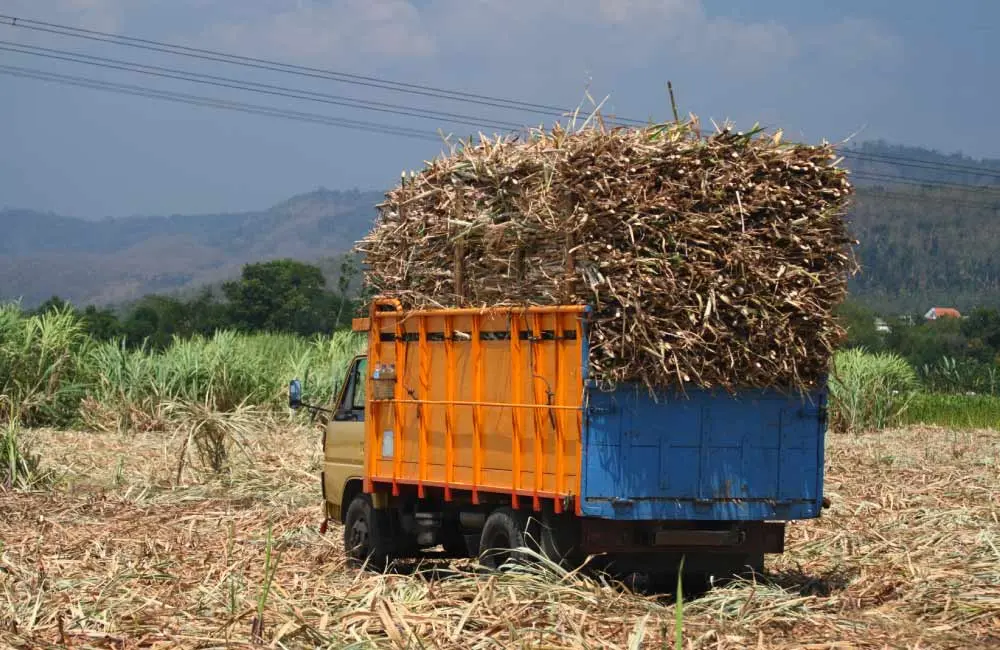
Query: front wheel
(367, 534)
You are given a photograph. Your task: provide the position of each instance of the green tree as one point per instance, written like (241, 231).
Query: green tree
(157, 319)
(53, 304)
(859, 321)
(982, 329)
(101, 324)
(281, 295)
(348, 271)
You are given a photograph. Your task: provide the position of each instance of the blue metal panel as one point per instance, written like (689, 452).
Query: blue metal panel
(703, 456)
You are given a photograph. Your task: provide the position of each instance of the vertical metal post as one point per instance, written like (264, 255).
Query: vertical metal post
(449, 426)
(373, 420)
(579, 388)
(477, 411)
(517, 414)
(398, 443)
(560, 447)
(422, 412)
(539, 394)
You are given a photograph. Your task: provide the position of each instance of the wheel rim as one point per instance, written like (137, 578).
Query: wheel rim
(359, 538)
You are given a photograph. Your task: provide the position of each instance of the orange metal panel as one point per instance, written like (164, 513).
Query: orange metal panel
(470, 391)
(361, 324)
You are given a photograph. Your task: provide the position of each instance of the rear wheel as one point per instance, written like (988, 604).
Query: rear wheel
(502, 534)
(367, 534)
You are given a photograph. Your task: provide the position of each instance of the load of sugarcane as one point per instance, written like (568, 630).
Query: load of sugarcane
(709, 260)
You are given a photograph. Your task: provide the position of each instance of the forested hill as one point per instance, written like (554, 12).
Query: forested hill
(116, 260)
(929, 226)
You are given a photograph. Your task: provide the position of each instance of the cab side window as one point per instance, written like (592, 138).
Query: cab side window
(352, 407)
(358, 403)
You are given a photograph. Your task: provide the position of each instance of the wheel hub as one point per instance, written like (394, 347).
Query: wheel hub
(359, 535)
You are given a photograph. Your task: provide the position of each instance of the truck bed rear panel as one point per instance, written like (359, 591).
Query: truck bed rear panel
(706, 456)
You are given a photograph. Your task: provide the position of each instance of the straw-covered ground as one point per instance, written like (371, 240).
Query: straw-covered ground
(116, 556)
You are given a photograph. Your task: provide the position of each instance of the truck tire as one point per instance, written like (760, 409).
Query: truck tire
(502, 534)
(367, 534)
(559, 539)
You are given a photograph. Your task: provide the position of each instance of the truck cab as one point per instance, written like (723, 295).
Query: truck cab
(344, 442)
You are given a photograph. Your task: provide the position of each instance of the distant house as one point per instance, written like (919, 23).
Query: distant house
(942, 312)
(882, 327)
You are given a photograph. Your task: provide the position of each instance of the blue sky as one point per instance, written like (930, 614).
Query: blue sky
(919, 72)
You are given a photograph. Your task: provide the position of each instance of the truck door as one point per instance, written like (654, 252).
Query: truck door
(343, 452)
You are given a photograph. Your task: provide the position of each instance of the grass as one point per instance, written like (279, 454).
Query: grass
(20, 467)
(869, 391)
(118, 554)
(954, 411)
(52, 374)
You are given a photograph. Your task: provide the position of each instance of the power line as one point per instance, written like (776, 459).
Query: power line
(925, 198)
(277, 66)
(986, 189)
(183, 98)
(385, 84)
(384, 129)
(251, 86)
(928, 165)
(972, 169)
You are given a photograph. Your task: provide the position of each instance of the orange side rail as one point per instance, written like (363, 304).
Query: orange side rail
(538, 390)
(399, 437)
(517, 415)
(422, 410)
(469, 343)
(560, 447)
(449, 426)
(477, 410)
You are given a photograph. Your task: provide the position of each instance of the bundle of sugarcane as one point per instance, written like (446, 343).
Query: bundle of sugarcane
(713, 260)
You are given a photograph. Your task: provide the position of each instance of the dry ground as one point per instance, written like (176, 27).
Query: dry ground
(117, 556)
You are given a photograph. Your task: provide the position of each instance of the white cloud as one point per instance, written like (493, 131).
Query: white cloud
(335, 34)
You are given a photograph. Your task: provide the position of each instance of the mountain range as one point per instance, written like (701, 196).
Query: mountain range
(117, 260)
(928, 226)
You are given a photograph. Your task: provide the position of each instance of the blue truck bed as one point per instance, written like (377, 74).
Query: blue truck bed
(703, 456)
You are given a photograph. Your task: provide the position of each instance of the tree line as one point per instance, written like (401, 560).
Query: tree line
(293, 297)
(276, 296)
(950, 354)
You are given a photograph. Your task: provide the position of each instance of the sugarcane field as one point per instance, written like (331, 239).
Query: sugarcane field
(569, 380)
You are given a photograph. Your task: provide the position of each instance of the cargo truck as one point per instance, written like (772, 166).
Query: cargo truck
(480, 430)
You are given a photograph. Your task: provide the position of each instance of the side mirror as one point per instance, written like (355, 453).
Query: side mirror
(294, 394)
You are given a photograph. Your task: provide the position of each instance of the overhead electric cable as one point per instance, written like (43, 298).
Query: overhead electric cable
(251, 86)
(387, 129)
(277, 66)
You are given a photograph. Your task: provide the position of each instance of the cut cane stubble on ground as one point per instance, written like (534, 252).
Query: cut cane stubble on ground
(118, 556)
(709, 261)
